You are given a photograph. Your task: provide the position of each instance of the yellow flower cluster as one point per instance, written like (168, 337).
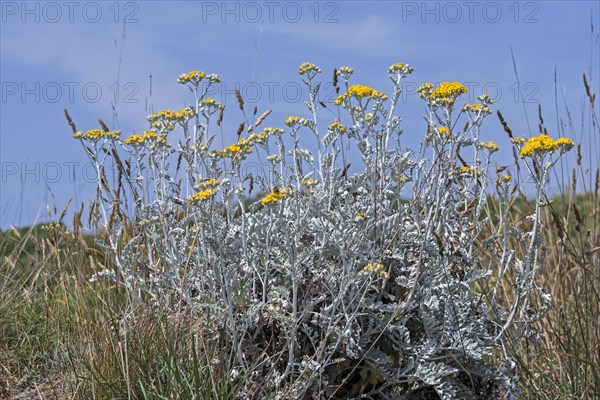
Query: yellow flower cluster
(255, 138)
(374, 268)
(443, 131)
(518, 140)
(207, 189)
(210, 102)
(504, 180)
(170, 116)
(447, 93)
(310, 182)
(336, 127)
(565, 143)
(306, 68)
(234, 149)
(425, 90)
(209, 183)
(273, 131)
(491, 146)
(163, 126)
(345, 71)
(243, 146)
(194, 77)
(293, 120)
(538, 145)
(151, 137)
(359, 92)
(274, 158)
(404, 69)
(275, 196)
(470, 170)
(96, 134)
(202, 195)
(359, 217)
(477, 109)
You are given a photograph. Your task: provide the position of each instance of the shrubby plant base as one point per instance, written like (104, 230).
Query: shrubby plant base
(382, 284)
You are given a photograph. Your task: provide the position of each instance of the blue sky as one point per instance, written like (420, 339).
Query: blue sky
(57, 55)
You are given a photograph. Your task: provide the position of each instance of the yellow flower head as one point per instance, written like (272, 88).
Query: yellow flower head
(241, 149)
(345, 71)
(193, 77)
(310, 182)
(565, 144)
(374, 268)
(475, 171)
(216, 154)
(165, 119)
(164, 127)
(135, 140)
(202, 196)
(211, 104)
(185, 114)
(155, 138)
(447, 93)
(272, 131)
(443, 131)
(306, 68)
(359, 217)
(504, 180)
(275, 196)
(425, 90)
(94, 135)
(209, 183)
(293, 120)
(538, 146)
(336, 127)
(162, 115)
(477, 109)
(360, 92)
(403, 69)
(233, 148)
(491, 146)
(148, 137)
(255, 138)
